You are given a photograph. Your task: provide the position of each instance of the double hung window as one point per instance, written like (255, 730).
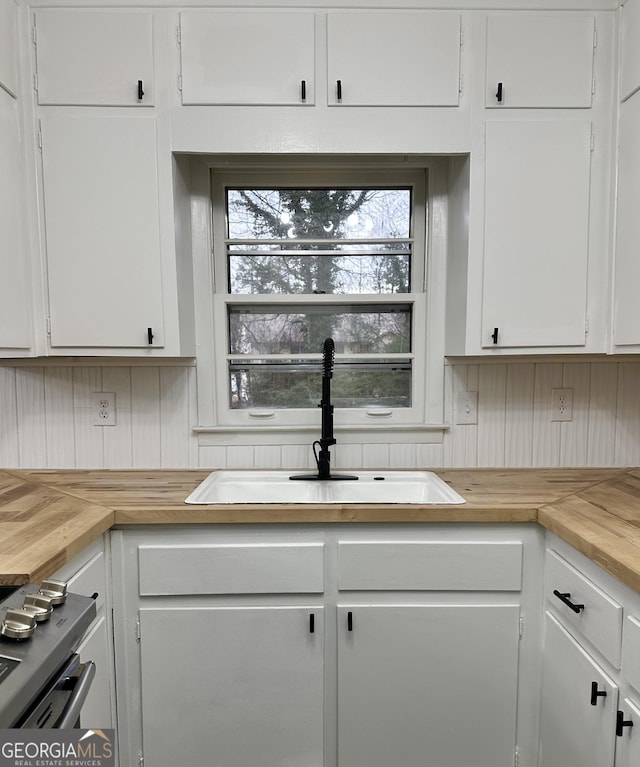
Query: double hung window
(304, 256)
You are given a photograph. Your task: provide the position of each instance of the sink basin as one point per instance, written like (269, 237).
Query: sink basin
(408, 487)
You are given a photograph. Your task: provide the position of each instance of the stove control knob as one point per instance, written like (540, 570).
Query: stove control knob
(54, 589)
(39, 606)
(17, 624)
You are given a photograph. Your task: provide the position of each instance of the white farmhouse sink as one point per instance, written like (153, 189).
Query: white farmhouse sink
(413, 487)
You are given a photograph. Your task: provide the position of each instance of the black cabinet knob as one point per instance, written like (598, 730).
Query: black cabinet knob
(564, 597)
(499, 93)
(140, 90)
(621, 723)
(596, 693)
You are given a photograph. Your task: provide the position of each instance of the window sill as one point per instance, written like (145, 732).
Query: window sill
(288, 434)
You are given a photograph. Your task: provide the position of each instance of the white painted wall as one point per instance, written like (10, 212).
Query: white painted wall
(47, 420)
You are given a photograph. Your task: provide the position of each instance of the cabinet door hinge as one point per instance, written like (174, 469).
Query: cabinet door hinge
(178, 35)
(521, 627)
(35, 82)
(48, 322)
(592, 143)
(140, 759)
(593, 85)
(587, 327)
(516, 757)
(460, 84)
(34, 33)
(179, 83)
(461, 37)
(137, 630)
(595, 37)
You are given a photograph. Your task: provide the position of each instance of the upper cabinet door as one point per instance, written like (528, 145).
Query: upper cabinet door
(630, 43)
(393, 58)
(15, 323)
(8, 52)
(247, 57)
(536, 233)
(539, 60)
(92, 57)
(102, 231)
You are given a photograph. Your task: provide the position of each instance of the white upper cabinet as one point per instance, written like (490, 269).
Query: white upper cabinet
(536, 239)
(8, 46)
(94, 57)
(102, 231)
(626, 308)
(539, 60)
(630, 53)
(393, 58)
(15, 324)
(247, 57)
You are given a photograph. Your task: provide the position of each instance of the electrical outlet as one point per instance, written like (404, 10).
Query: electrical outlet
(561, 404)
(466, 405)
(104, 406)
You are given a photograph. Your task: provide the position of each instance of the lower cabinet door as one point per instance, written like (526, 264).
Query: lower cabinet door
(418, 685)
(579, 704)
(232, 686)
(628, 740)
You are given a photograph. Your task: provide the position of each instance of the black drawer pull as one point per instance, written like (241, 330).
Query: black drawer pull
(349, 621)
(621, 723)
(499, 93)
(494, 336)
(140, 91)
(339, 90)
(312, 623)
(149, 335)
(596, 693)
(565, 599)
(303, 90)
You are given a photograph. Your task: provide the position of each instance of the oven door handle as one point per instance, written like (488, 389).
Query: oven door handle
(71, 712)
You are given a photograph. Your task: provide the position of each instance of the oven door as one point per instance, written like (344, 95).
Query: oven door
(60, 704)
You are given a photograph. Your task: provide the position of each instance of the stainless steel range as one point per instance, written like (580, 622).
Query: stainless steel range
(43, 684)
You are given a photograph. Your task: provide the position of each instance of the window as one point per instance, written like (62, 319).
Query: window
(305, 255)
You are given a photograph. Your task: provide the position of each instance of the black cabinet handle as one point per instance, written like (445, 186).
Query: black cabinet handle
(303, 90)
(565, 599)
(349, 621)
(312, 623)
(494, 336)
(140, 91)
(596, 693)
(339, 90)
(150, 335)
(621, 723)
(499, 93)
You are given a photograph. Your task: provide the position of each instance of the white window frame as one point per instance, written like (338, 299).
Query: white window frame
(428, 177)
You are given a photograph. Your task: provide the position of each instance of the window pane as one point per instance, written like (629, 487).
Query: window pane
(362, 329)
(350, 272)
(320, 213)
(299, 386)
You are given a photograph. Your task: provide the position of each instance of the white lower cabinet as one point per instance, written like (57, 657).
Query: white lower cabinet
(87, 574)
(579, 704)
(427, 685)
(262, 648)
(239, 686)
(590, 703)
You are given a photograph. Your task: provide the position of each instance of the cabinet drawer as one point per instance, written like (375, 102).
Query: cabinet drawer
(262, 568)
(430, 566)
(596, 616)
(631, 651)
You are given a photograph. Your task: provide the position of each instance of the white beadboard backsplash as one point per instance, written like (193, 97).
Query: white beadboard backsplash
(47, 414)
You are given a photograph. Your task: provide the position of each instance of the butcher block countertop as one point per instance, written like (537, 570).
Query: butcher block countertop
(49, 516)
